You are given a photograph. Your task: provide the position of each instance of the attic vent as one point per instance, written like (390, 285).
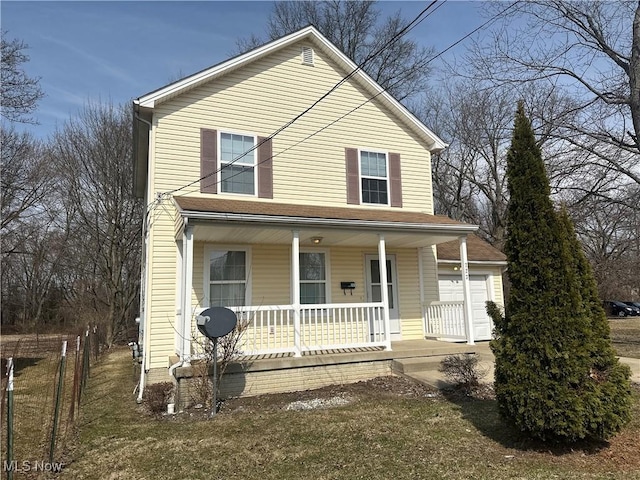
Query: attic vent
(307, 56)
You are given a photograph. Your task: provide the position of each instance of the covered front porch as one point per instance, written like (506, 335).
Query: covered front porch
(325, 262)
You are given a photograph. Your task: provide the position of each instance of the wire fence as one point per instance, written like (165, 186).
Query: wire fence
(42, 391)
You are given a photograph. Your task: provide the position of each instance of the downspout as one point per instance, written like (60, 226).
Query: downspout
(182, 330)
(144, 325)
(143, 319)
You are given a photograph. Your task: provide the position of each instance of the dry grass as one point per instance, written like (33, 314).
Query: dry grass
(625, 335)
(36, 363)
(390, 428)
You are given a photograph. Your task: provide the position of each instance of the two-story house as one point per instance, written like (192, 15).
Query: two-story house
(286, 218)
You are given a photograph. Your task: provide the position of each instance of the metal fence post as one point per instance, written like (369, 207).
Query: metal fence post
(76, 381)
(56, 412)
(10, 419)
(85, 364)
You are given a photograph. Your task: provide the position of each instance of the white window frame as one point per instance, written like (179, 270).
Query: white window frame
(207, 272)
(255, 162)
(327, 273)
(361, 176)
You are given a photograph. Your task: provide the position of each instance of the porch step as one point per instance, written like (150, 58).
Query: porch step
(418, 364)
(425, 369)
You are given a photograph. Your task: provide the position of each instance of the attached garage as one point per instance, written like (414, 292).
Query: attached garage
(486, 265)
(450, 287)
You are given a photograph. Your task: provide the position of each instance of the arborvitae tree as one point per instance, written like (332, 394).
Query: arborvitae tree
(610, 406)
(546, 343)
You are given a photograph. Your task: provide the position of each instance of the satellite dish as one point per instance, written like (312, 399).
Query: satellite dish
(216, 322)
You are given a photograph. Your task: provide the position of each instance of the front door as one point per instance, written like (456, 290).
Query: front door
(374, 291)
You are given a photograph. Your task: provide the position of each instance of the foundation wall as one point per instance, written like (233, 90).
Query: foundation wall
(281, 380)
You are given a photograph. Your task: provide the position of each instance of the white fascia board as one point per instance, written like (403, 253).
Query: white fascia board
(462, 229)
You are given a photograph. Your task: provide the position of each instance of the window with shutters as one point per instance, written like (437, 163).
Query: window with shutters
(237, 163)
(374, 181)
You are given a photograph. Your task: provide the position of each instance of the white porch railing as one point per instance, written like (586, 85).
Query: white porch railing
(270, 329)
(445, 320)
(339, 325)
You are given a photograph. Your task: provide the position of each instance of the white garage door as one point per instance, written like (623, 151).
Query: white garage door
(451, 291)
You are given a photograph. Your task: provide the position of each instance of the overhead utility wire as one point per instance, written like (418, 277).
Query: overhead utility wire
(416, 21)
(492, 19)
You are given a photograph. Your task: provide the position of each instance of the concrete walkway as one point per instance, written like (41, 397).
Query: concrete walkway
(427, 371)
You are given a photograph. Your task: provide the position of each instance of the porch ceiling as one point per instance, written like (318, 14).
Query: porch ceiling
(257, 234)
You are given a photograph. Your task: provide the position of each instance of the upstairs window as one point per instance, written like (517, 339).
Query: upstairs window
(373, 178)
(237, 168)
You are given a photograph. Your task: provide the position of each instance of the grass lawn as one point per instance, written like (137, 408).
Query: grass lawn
(407, 432)
(36, 366)
(625, 335)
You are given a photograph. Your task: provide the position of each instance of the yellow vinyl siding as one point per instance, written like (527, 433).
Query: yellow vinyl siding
(270, 274)
(161, 306)
(258, 99)
(430, 274)
(408, 284)
(250, 100)
(347, 265)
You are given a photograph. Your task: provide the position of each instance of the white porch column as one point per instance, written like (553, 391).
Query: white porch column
(466, 291)
(187, 286)
(295, 291)
(384, 287)
(421, 285)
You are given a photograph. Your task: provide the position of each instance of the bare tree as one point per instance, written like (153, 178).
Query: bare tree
(94, 152)
(25, 180)
(19, 93)
(356, 28)
(588, 50)
(610, 234)
(469, 176)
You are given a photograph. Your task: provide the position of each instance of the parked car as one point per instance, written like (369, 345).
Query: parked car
(619, 309)
(635, 305)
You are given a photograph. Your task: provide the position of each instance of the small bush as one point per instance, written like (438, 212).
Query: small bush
(157, 396)
(462, 370)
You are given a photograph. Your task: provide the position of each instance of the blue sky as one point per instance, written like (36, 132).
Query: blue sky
(117, 51)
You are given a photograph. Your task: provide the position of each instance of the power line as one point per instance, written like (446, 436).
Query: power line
(408, 28)
(492, 19)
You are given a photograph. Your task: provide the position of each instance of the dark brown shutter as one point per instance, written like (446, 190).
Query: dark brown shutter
(265, 168)
(208, 161)
(353, 178)
(395, 180)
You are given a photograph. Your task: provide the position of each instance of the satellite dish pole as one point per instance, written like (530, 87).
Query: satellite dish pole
(215, 377)
(213, 323)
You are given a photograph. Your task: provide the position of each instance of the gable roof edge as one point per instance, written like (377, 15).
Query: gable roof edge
(150, 99)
